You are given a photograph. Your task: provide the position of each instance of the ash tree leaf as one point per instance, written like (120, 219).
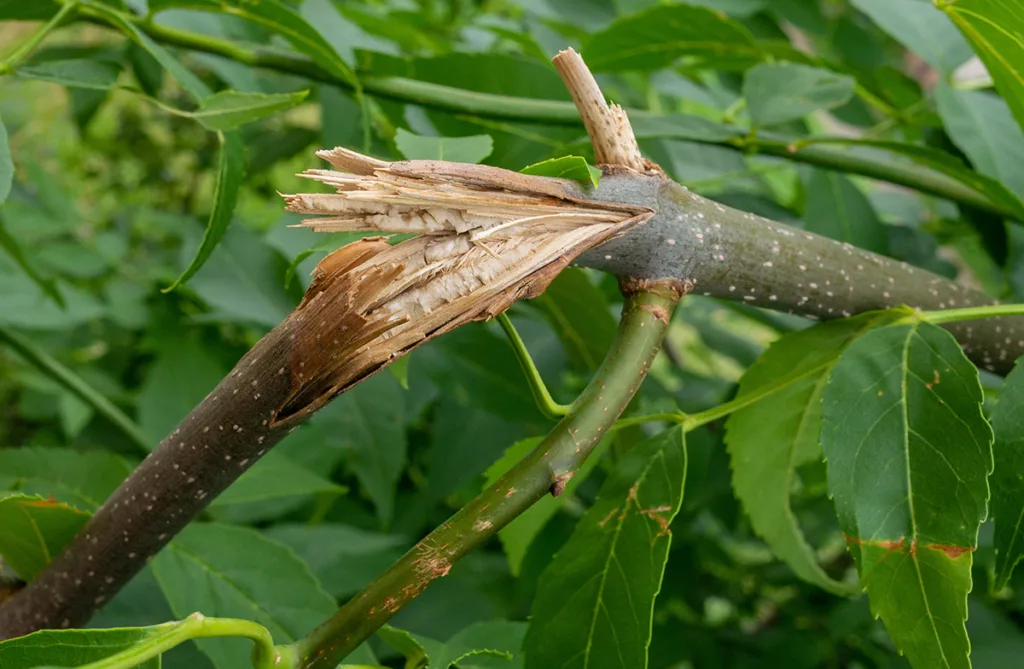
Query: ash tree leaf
(580, 314)
(1007, 491)
(345, 559)
(981, 126)
(6, 164)
(370, 420)
(909, 454)
(595, 602)
(500, 639)
(470, 149)
(230, 173)
(9, 244)
(518, 535)
(35, 530)
(995, 28)
(227, 571)
(227, 110)
(771, 438)
(779, 93)
(74, 648)
(188, 81)
(81, 479)
(836, 208)
(922, 29)
(184, 372)
(567, 167)
(655, 38)
(273, 477)
(98, 75)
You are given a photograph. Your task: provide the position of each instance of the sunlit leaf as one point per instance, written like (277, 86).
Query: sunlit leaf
(566, 167)
(909, 454)
(74, 648)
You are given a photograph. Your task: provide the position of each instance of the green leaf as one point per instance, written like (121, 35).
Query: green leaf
(23, 303)
(273, 477)
(98, 75)
(566, 167)
(35, 529)
(683, 126)
(242, 280)
(82, 480)
(345, 559)
(995, 28)
(779, 93)
(1007, 492)
(581, 316)
(370, 420)
(230, 172)
(19, 10)
(595, 601)
(939, 161)
(497, 638)
(188, 81)
(518, 535)
(770, 439)
(471, 149)
(184, 372)
(909, 454)
(920, 28)
(400, 370)
(74, 648)
(655, 38)
(229, 571)
(836, 208)
(227, 110)
(478, 367)
(6, 165)
(981, 126)
(13, 248)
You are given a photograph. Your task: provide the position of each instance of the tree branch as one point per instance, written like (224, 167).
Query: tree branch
(734, 255)
(645, 319)
(448, 98)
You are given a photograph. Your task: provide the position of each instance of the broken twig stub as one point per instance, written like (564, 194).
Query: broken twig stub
(486, 238)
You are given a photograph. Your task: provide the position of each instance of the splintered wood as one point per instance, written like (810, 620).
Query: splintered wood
(487, 237)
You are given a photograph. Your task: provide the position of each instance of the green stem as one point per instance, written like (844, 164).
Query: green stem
(75, 384)
(198, 626)
(21, 53)
(645, 320)
(971, 313)
(459, 100)
(545, 402)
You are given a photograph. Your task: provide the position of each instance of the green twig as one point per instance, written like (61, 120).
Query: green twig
(197, 626)
(545, 402)
(75, 384)
(971, 313)
(22, 52)
(645, 320)
(488, 105)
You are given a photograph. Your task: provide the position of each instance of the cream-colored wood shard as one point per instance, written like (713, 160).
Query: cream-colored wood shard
(487, 237)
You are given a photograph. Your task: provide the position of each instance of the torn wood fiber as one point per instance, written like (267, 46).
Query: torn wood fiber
(487, 237)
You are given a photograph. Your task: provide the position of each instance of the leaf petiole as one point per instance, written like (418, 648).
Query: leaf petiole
(545, 402)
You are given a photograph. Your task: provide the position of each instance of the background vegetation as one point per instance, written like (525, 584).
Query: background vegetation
(117, 173)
